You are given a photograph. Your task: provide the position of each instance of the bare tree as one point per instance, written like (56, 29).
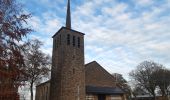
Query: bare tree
(37, 62)
(139, 91)
(143, 75)
(11, 60)
(162, 79)
(123, 84)
(120, 81)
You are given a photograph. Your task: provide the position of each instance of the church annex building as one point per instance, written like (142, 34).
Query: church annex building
(71, 79)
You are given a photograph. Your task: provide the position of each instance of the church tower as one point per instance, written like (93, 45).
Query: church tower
(68, 70)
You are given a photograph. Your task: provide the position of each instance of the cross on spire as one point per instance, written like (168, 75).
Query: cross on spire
(68, 18)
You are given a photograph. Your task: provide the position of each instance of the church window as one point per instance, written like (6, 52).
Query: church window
(89, 97)
(78, 42)
(60, 40)
(55, 43)
(68, 39)
(74, 41)
(73, 71)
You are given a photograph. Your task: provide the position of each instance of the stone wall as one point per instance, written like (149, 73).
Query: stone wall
(43, 91)
(96, 75)
(68, 71)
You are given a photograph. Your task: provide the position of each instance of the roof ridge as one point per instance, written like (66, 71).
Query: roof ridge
(66, 29)
(110, 75)
(43, 83)
(91, 62)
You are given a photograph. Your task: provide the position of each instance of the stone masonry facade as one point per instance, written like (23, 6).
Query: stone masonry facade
(71, 79)
(68, 71)
(95, 75)
(43, 91)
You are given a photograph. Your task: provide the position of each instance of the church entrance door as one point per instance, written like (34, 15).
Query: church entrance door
(101, 97)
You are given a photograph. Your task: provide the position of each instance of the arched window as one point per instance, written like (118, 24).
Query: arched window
(73, 71)
(55, 43)
(78, 41)
(60, 40)
(74, 41)
(68, 39)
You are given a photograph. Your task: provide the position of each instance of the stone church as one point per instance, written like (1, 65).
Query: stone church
(71, 79)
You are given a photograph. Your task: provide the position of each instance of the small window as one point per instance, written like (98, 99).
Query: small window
(73, 71)
(68, 39)
(74, 41)
(78, 42)
(55, 43)
(89, 97)
(60, 39)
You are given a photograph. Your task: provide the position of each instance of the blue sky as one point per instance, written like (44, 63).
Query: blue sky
(119, 33)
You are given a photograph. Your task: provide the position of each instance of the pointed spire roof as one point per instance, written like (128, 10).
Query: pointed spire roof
(68, 17)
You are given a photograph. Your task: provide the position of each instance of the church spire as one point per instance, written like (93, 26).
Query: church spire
(68, 18)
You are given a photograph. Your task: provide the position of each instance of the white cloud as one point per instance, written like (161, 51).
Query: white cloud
(115, 10)
(117, 35)
(137, 36)
(35, 22)
(45, 27)
(144, 2)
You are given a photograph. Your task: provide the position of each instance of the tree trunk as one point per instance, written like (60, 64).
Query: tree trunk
(154, 96)
(31, 90)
